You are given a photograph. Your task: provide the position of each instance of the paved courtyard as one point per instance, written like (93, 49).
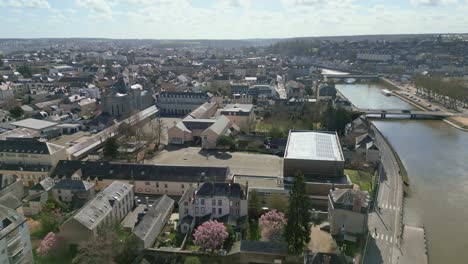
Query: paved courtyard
(239, 162)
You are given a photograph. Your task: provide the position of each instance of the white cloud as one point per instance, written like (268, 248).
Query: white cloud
(433, 2)
(100, 9)
(25, 3)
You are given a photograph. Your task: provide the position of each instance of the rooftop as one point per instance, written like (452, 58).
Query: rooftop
(238, 108)
(9, 220)
(141, 172)
(97, 209)
(309, 145)
(157, 213)
(34, 124)
(220, 189)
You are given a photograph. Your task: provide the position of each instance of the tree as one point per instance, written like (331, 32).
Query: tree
(271, 225)
(225, 141)
(297, 233)
(25, 70)
(192, 260)
(111, 245)
(276, 132)
(47, 244)
(16, 112)
(253, 205)
(336, 119)
(210, 235)
(111, 148)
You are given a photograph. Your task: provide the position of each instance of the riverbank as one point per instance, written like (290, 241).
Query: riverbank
(457, 122)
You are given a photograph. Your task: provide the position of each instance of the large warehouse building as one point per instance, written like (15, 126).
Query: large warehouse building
(316, 154)
(319, 157)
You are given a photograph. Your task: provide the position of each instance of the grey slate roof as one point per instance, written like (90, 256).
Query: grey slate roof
(28, 145)
(201, 124)
(346, 198)
(18, 167)
(140, 172)
(97, 209)
(44, 185)
(220, 126)
(10, 201)
(74, 185)
(264, 247)
(158, 212)
(210, 189)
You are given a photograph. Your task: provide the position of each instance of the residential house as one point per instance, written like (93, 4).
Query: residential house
(29, 158)
(148, 179)
(366, 150)
(71, 190)
(37, 196)
(347, 212)
(326, 91)
(219, 128)
(15, 241)
(357, 127)
(180, 103)
(108, 207)
(295, 89)
(150, 225)
(226, 202)
(241, 115)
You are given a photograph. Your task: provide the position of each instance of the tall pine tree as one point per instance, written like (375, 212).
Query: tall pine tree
(297, 231)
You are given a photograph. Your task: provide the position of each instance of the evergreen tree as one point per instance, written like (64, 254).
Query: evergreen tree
(16, 112)
(254, 205)
(297, 231)
(111, 148)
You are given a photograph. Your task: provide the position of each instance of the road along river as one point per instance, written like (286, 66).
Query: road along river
(435, 156)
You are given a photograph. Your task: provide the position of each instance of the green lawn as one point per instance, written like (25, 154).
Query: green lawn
(363, 179)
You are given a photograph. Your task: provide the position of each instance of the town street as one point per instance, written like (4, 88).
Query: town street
(383, 245)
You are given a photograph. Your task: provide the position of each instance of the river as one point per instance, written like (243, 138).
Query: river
(435, 155)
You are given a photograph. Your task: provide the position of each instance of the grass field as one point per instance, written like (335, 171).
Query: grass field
(363, 179)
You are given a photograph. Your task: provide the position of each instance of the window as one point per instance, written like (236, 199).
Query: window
(147, 183)
(213, 202)
(220, 211)
(220, 202)
(182, 186)
(237, 203)
(196, 201)
(203, 210)
(202, 201)
(196, 210)
(213, 210)
(165, 185)
(157, 185)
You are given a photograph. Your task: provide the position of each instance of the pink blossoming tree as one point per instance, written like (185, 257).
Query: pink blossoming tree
(272, 225)
(47, 244)
(210, 235)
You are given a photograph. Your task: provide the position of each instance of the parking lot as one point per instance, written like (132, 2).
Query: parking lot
(239, 162)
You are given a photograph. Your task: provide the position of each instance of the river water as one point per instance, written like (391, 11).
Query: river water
(435, 155)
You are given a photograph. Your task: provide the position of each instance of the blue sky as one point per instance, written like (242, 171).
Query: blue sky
(228, 19)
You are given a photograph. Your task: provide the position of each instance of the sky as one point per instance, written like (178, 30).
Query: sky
(228, 19)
